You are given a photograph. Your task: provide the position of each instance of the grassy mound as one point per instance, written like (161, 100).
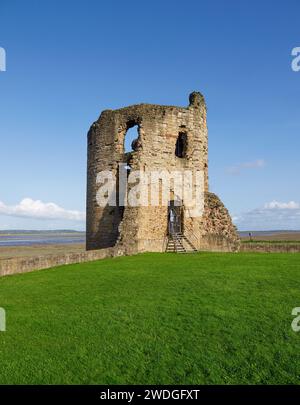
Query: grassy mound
(154, 318)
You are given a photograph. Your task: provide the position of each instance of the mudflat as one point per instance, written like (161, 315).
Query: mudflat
(8, 252)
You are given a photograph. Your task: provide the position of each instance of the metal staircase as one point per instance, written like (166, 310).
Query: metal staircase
(179, 243)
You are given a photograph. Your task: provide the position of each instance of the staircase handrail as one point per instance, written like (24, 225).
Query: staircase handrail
(189, 234)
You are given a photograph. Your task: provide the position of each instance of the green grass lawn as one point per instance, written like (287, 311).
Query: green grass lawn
(207, 318)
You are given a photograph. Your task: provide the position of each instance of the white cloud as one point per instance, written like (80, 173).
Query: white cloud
(272, 216)
(37, 209)
(292, 205)
(256, 164)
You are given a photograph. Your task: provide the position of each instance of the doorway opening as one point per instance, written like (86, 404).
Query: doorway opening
(175, 217)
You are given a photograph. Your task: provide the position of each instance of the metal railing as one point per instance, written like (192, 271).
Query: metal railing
(191, 237)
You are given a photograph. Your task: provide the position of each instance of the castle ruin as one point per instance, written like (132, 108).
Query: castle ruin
(169, 138)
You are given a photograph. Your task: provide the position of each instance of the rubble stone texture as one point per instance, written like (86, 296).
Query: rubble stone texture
(140, 229)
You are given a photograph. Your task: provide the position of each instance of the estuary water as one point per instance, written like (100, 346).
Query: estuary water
(28, 239)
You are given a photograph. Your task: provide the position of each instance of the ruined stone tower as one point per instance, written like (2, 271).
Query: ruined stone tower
(169, 138)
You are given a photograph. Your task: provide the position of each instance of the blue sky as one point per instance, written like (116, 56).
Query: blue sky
(68, 60)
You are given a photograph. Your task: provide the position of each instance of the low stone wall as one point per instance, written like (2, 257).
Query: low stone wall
(27, 264)
(270, 247)
(218, 243)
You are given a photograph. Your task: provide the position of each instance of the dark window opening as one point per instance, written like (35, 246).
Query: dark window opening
(181, 143)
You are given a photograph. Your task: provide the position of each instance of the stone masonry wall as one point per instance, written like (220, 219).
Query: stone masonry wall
(27, 264)
(144, 228)
(270, 247)
(217, 230)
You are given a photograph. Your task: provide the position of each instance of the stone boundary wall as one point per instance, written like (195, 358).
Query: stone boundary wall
(27, 264)
(270, 247)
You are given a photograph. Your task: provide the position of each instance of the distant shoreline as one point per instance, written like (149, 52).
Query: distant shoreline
(271, 236)
(60, 231)
(38, 232)
(38, 238)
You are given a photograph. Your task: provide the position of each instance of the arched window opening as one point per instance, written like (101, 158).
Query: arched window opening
(131, 137)
(181, 145)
